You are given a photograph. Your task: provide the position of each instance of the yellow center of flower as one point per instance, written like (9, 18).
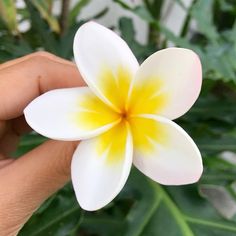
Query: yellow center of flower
(124, 108)
(124, 115)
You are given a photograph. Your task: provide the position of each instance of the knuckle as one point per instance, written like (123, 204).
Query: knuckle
(39, 64)
(40, 59)
(42, 55)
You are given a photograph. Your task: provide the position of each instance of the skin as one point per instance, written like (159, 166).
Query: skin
(28, 181)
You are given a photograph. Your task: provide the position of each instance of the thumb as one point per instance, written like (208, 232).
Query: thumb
(30, 180)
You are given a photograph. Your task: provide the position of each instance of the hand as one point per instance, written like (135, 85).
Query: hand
(26, 182)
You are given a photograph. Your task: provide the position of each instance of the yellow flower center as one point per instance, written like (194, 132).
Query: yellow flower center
(147, 97)
(124, 115)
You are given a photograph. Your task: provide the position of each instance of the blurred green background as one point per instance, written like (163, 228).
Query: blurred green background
(144, 208)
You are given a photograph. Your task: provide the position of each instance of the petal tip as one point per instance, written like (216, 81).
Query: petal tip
(190, 179)
(89, 206)
(88, 202)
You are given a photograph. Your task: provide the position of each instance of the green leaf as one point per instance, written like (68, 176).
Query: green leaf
(44, 8)
(179, 41)
(102, 224)
(28, 142)
(128, 34)
(123, 4)
(154, 7)
(221, 198)
(40, 33)
(203, 14)
(8, 14)
(76, 10)
(173, 211)
(143, 13)
(101, 13)
(140, 11)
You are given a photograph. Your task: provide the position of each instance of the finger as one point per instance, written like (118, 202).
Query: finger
(33, 55)
(29, 180)
(23, 81)
(10, 132)
(4, 163)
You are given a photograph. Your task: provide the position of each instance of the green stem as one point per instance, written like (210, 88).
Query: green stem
(175, 211)
(64, 15)
(187, 21)
(210, 224)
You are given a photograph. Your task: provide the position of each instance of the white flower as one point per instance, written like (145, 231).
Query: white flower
(123, 116)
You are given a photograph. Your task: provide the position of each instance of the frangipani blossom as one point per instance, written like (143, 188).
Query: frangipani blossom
(124, 116)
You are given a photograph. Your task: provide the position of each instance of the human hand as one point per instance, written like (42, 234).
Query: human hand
(26, 182)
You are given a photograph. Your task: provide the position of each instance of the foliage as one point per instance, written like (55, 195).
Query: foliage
(145, 208)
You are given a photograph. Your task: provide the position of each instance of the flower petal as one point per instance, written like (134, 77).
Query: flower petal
(105, 61)
(169, 82)
(164, 151)
(100, 167)
(70, 114)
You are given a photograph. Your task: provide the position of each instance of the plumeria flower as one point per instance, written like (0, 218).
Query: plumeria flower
(124, 116)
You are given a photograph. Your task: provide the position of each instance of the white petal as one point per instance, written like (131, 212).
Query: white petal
(100, 54)
(166, 154)
(69, 114)
(100, 167)
(169, 82)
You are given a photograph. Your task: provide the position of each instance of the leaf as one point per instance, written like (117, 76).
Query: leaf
(66, 41)
(128, 34)
(40, 34)
(179, 41)
(221, 198)
(173, 211)
(218, 59)
(76, 10)
(44, 8)
(140, 11)
(28, 142)
(101, 13)
(8, 14)
(123, 4)
(154, 7)
(143, 13)
(212, 126)
(202, 12)
(101, 224)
